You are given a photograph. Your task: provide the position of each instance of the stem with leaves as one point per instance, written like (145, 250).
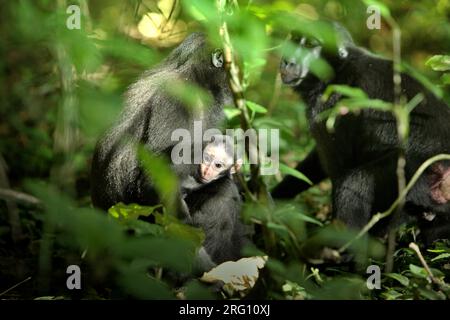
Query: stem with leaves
(402, 120)
(236, 86)
(431, 277)
(258, 192)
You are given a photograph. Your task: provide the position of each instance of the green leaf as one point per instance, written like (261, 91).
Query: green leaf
(441, 256)
(384, 10)
(418, 271)
(142, 286)
(162, 177)
(180, 230)
(291, 211)
(345, 91)
(439, 63)
(230, 113)
(429, 294)
(400, 278)
(256, 107)
(445, 79)
(192, 96)
(279, 229)
(132, 211)
(293, 172)
(144, 228)
(392, 294)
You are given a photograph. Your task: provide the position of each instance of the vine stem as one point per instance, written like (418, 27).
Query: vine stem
(377, 217)
(238, 96)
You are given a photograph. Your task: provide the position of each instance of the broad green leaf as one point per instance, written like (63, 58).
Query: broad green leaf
(193, 97)
(384, 10)
(418, 271)
(142, 286)
(279, 229)
(162, 177)
(144, 228)
(439, 63)
(294, 212)
(256, 107)
(392, 294)
(131, 211)
(429, 294)
(445, 79)
(345, 91)
(230, 113)
(400, 278)
(178, 229)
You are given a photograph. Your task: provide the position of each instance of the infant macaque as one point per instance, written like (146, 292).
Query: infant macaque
(218, 161)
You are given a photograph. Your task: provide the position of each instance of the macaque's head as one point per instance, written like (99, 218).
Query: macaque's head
(218, 159)
(198, 60)
(309, 48)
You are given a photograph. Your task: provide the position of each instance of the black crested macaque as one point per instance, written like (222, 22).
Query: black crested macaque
(150, 116)
(360, 155)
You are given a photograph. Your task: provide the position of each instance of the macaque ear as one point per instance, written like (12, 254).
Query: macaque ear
(237, 166)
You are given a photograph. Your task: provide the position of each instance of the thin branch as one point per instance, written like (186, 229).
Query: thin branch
(237, 88)
(402, 132)
(14, 286)
(13, 211)
(12, 195)
(431, 277)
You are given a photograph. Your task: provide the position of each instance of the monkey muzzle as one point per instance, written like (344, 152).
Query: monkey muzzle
(207, 172)
(291, 72)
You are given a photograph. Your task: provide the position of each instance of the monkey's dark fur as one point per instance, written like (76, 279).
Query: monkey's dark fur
(149, 118)
(360, 156)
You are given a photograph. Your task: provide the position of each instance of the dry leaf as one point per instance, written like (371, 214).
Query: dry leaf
(238, 275)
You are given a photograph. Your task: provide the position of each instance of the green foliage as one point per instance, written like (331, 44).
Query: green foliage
(439, 63)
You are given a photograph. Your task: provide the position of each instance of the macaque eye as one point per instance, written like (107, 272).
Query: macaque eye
(311, 43)
(217, 58)
(218, 165)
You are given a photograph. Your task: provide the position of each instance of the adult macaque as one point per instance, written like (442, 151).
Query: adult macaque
(360, 155)
(150, 117)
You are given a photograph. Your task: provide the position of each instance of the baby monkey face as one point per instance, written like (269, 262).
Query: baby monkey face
(216, 162)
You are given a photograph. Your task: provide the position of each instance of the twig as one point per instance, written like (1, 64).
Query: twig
(377, 217)
(15, 286)
(13, 211)
(431, 277)
(8, 194)
(402, 132)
